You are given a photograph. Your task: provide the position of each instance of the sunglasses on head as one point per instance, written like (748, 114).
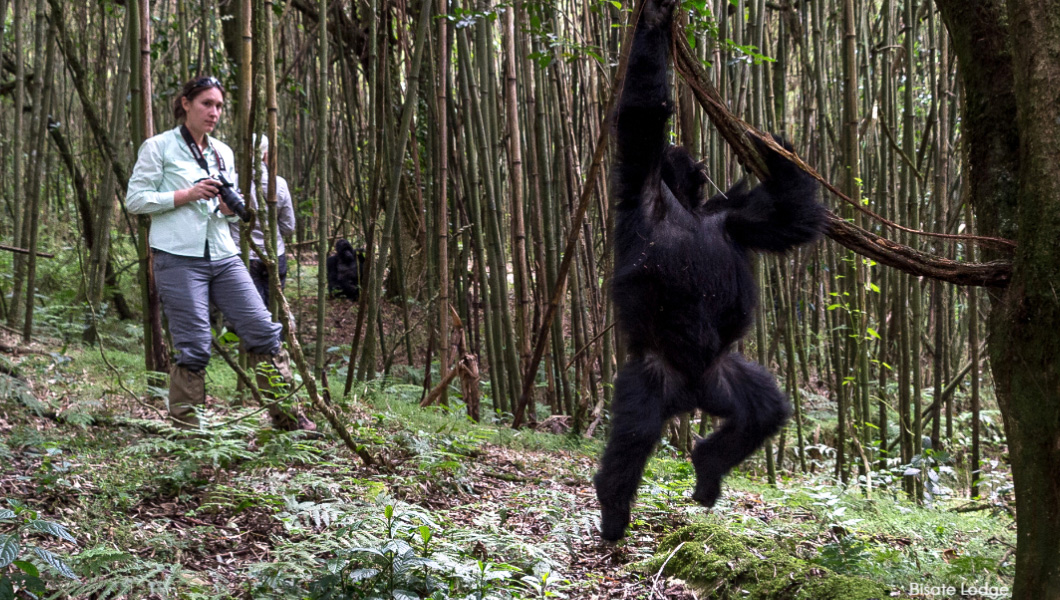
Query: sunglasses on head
(208, 82)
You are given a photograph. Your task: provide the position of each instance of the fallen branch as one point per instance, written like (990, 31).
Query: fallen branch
(17, 350)
(967, 508)
(24, 251)
(298, 357)
(466, 367)
(436, 392)
(239, 371)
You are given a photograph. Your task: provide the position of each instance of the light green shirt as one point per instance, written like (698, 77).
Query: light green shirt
(165, 165)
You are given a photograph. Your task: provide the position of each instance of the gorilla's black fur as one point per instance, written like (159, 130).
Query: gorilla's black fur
(683, 287)
(345, 270)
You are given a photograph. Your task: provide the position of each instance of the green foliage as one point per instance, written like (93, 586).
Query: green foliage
(462, 18)
(15, 390)
(388, 549)
(113, 574)
(170, 502)
(21, 560)
(732, 565)
(702, 24)
(197, 454)
(278, 449)
(873, 538)
(405, 559)
(555, 42)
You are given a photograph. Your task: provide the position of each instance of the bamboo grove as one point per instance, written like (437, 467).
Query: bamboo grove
(457, 142)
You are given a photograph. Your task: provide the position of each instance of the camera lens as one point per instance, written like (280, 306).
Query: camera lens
(232, 199)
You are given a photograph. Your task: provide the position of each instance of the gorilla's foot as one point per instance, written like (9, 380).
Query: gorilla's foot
(613, 523)
(708, 490)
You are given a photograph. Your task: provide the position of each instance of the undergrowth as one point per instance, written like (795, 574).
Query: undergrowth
(461, 510)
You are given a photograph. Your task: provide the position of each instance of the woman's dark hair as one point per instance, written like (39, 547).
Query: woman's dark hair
(191, 89)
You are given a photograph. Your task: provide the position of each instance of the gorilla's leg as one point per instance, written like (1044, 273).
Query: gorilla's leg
(746, 396)
(636, 424)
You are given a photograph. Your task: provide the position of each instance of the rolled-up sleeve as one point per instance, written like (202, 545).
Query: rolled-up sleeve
(143, 197)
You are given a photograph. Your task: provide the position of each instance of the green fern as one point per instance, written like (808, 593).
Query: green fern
(287, 449)
(128, 578)
(298, 515)
(15, 390)
(95, 560)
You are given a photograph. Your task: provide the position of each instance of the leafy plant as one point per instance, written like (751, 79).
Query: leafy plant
(19, 523)
(544, 584)
(52, 475)
(113, 574)
(393, 569)
(195, 452)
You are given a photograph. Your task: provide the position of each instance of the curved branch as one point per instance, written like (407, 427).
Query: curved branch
(863, 242)
(884, 251)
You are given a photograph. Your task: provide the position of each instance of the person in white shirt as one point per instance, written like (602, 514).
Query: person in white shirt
(176, 180)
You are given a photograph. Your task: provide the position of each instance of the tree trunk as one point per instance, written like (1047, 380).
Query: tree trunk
(155, 342)
(1024, 347)
(322, 189)
(1012, 123)
(515, 172)
(41, 100)
(20, 101)
(442, 198)
(375, 272)
(100, 223)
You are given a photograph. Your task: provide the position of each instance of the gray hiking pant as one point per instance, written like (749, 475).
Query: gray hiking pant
(187, 285)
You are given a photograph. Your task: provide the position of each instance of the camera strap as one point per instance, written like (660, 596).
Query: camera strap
(197, 152)
(199, 158)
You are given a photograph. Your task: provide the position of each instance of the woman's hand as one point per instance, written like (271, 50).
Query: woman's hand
(202, 190)
(221, 206)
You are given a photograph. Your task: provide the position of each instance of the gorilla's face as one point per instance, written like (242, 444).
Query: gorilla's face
(344, 248)
(684, 177)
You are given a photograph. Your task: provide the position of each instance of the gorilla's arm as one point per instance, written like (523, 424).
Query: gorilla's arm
(777, 215)
(645, 105)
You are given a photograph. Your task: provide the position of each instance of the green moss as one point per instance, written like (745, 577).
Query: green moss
(724, 565)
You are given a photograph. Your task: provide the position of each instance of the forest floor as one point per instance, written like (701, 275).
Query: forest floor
(450, 509)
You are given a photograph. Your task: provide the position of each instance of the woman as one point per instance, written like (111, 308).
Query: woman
(176, 180)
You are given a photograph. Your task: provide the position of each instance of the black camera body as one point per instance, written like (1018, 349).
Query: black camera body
(230, 196)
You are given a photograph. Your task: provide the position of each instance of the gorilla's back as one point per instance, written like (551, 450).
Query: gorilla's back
(685, 296)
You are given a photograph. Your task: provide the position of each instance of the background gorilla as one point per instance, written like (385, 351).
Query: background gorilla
(345, 269)
(683, 287)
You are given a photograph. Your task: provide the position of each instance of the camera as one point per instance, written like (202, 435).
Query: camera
(230, 196)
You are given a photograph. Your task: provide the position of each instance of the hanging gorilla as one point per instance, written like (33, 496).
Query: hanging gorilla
(345, 270)
(683, 287)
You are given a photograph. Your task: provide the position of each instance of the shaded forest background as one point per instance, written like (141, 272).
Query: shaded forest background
(501, 145)
(465, 147)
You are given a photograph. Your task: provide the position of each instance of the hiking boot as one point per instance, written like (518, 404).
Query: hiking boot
(273, 377)
(187, 389)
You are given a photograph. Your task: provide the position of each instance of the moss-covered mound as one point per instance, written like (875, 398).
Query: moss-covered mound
(727, 566)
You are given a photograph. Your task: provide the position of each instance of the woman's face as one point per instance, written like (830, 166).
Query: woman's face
(204, 110)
